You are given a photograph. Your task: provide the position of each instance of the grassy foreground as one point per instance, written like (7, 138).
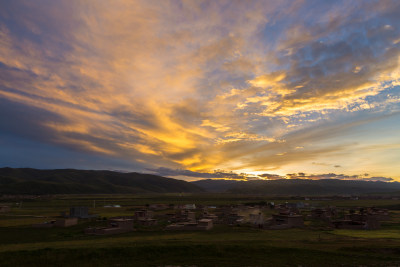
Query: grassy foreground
(223, 246)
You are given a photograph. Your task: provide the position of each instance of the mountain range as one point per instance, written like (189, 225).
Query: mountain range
(72, 181)
(299, 187)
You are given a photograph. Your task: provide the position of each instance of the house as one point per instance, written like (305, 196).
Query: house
(380, 214)
(115, 226)
(355, 217)
(358, 221)
(171, 217)
(143, 214)
(189, 207)
(79, 212)
(323, 214)
(367, 218)
(213, 217)
(145, 218)
(284, 221)
(185, 216)
(125, 224)
(235, 219)
(207, 224)
(159, 206)
(190, 216)
(147, 222)
(257, 220)
(201, 225)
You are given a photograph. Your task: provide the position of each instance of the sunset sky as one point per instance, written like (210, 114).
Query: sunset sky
(200, 89)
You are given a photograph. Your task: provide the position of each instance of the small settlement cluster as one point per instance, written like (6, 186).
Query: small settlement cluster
(193, 217)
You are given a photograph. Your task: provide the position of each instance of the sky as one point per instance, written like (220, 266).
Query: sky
(202, 89)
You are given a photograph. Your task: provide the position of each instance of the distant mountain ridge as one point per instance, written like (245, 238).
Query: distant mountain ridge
(72, 181)
(217, 185)
(298, 187)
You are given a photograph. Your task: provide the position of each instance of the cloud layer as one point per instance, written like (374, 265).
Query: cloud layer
(249, 87)
(220, 174)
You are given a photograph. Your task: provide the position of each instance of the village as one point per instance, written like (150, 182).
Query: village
(192, 217)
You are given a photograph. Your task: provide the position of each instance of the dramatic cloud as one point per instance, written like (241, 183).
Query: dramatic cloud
(183, 88)
(186, 173)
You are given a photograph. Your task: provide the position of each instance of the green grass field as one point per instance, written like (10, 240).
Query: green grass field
(22, 245)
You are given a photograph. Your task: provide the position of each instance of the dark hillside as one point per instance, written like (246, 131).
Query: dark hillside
(71, 181)
(216, 185)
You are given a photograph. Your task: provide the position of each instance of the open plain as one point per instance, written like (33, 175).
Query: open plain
(316, 244)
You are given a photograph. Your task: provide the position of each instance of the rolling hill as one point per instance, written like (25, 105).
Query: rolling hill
(71, 181)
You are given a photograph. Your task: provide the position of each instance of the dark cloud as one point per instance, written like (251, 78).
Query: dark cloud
(20, 120)
(337, 176)
(20, 152)
(271, 176)
(322, 176)
(381, 179)
(216, 174)
(327, 65)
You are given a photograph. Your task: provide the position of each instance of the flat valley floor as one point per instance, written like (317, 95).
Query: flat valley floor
(314, 245)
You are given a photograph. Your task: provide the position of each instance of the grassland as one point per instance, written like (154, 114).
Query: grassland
(22, 245)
